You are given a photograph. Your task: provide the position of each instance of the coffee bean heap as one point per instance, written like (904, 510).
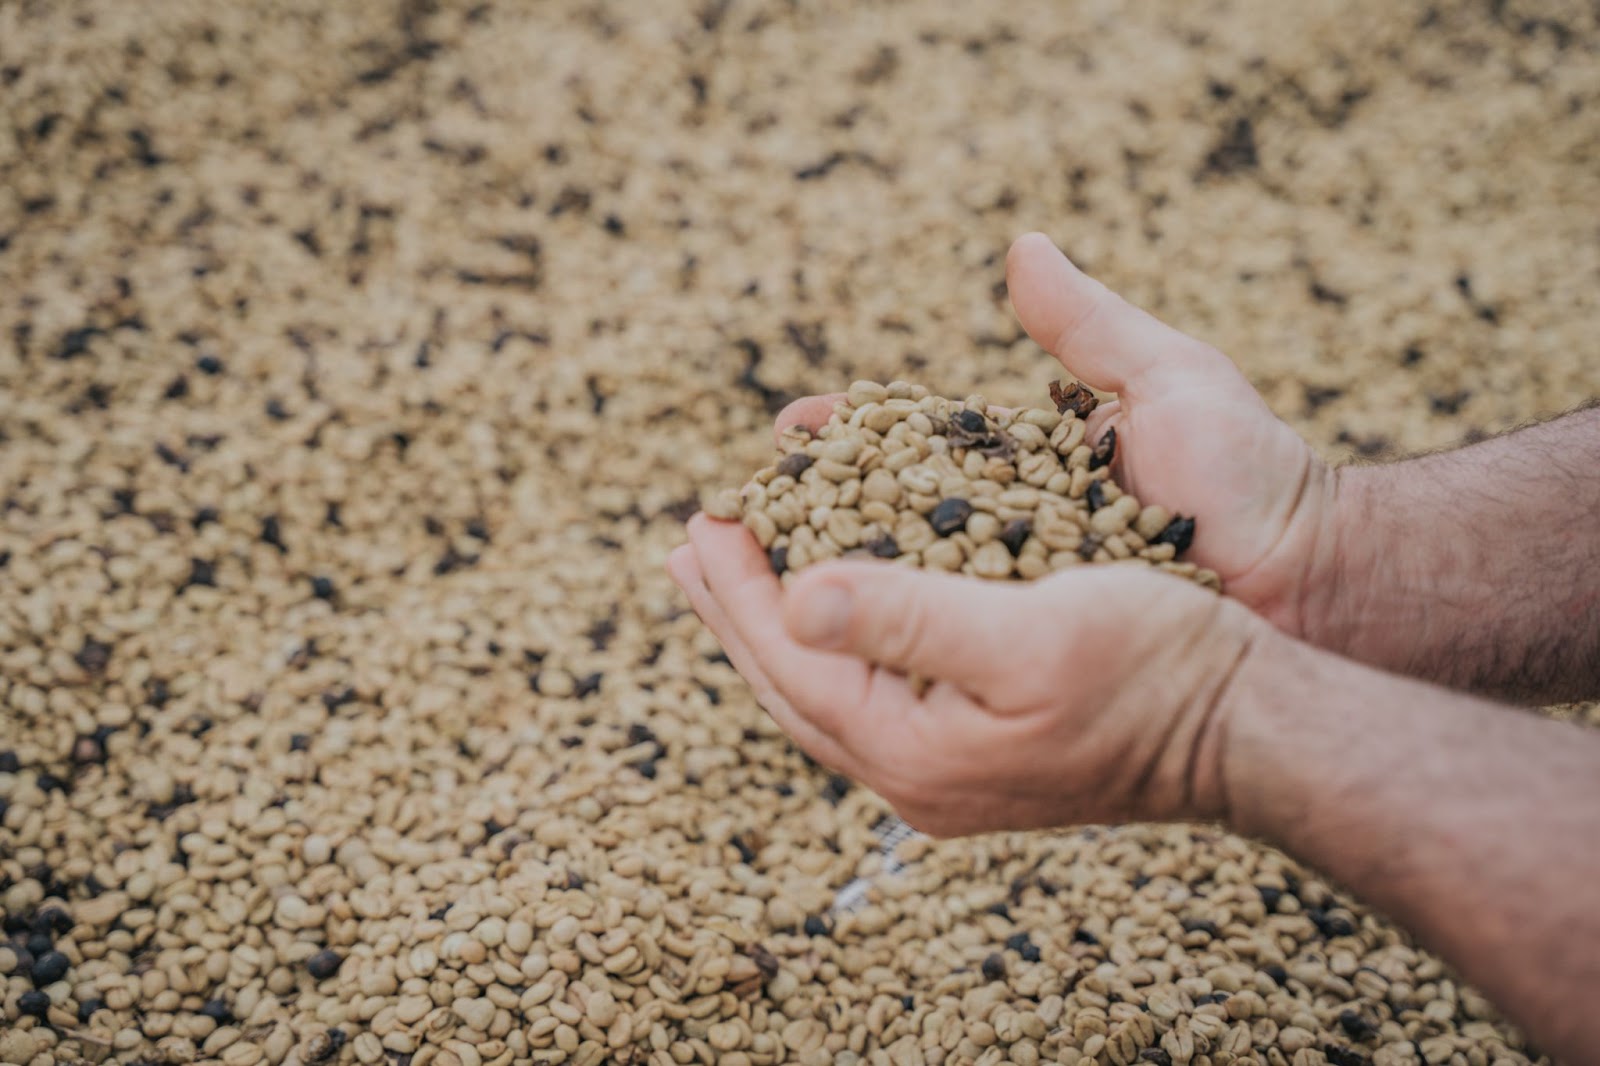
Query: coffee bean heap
(921, 480)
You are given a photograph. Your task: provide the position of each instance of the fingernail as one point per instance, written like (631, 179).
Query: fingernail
(822, 616)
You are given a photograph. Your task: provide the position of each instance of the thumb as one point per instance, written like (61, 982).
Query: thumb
(942, 626)
(1096, 334)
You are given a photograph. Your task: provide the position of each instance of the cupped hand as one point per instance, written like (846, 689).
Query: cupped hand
(1096, 695)
(1192, 435)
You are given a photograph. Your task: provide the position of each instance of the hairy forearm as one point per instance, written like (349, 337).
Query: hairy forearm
(1477, 568)
(1472, 824)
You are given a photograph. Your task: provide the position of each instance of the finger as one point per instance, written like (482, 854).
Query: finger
(808, 411)
(684, 568)
(824, 687)
(968, 632)
(1096, 334)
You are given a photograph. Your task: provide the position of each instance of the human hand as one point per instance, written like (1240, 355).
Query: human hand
(1096, 695)
(1192, 435)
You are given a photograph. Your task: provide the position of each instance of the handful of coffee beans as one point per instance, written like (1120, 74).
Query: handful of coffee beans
(954, 485)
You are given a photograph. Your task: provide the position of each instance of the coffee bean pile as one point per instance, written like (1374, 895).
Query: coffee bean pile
(361, 362)
(957, 486)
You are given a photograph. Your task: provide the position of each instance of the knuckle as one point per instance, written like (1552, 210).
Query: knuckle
(904, 634)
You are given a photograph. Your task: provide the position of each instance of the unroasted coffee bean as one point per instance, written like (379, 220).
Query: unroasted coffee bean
(1179, 533)
(950, 516)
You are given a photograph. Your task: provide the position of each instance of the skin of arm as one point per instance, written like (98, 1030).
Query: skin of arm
(1474, 826)
(1477, 568)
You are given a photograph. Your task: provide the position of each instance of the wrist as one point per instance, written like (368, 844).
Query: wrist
(1346, 561)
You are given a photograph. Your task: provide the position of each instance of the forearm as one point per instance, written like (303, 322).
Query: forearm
(1475, 826)
(1477, 568)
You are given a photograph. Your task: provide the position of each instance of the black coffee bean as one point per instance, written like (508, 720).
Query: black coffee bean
(39, 943)
(1356, 1027)
(908, 1002)
(971, 421)
(50, 967)
(322, 588)
(1083, 936)
(93, 655)
(54, 919)
(209, 365)
(217, 1010)
(324, 964)
(299, 742)
(1014, 534)
(778, 559)
(1096, 496)
(34, 1002)
(1017, 941)
(950, 516)
(647, 769)
(994, 967)
(1155, 1055)
(1279, 975)
(1270, 896)
(1339, 1055)
(9, 763)
(836, 789)
(202, 572)
(87, 1008)
(272, 533)
(1179, 533)
(1030, 952)
(999, 909)
(1199, 925)
(1105, 451)
(205, 516)
(816, 926)
(884, 547)
(587, 685)
(1091, 543)
(794, 464)
(276, 411)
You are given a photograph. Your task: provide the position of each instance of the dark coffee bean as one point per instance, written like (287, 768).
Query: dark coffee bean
(9, 763)
(300, 742)
(276, 411)
(217, 1010)
(324, 964)
(1179, 533)
(87, 751)
(971, 421)
(836, 789)
(647, 769)
(177, 388)
(87, 1008)
(999, 909)
(1211, 997)
(1083, 936)
(322, 588)
(884, 547)
(587, 685)
(39, 943)
(1355, 1026)
(205, 516)
(950, 516)
(794, 464)
(50, 783)
(49, 968)
(1096, 496)
(93, 656)
(1091, 544)
(1075, 398)
(209, 365)
(1155, 1055)
(272, 533)
(1199, 925)
(778, 559)
(34, 1002)
(908, 1002)
(1015, 534)
(747, 854)
(1139, 881)
(53, 919)
(1339, 1055)
(1279, 975)
(1270, 896)
(994, 967)
(784, 789)
(1030, 952)
(202, 572)
(1105, 451)
(816, 926)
